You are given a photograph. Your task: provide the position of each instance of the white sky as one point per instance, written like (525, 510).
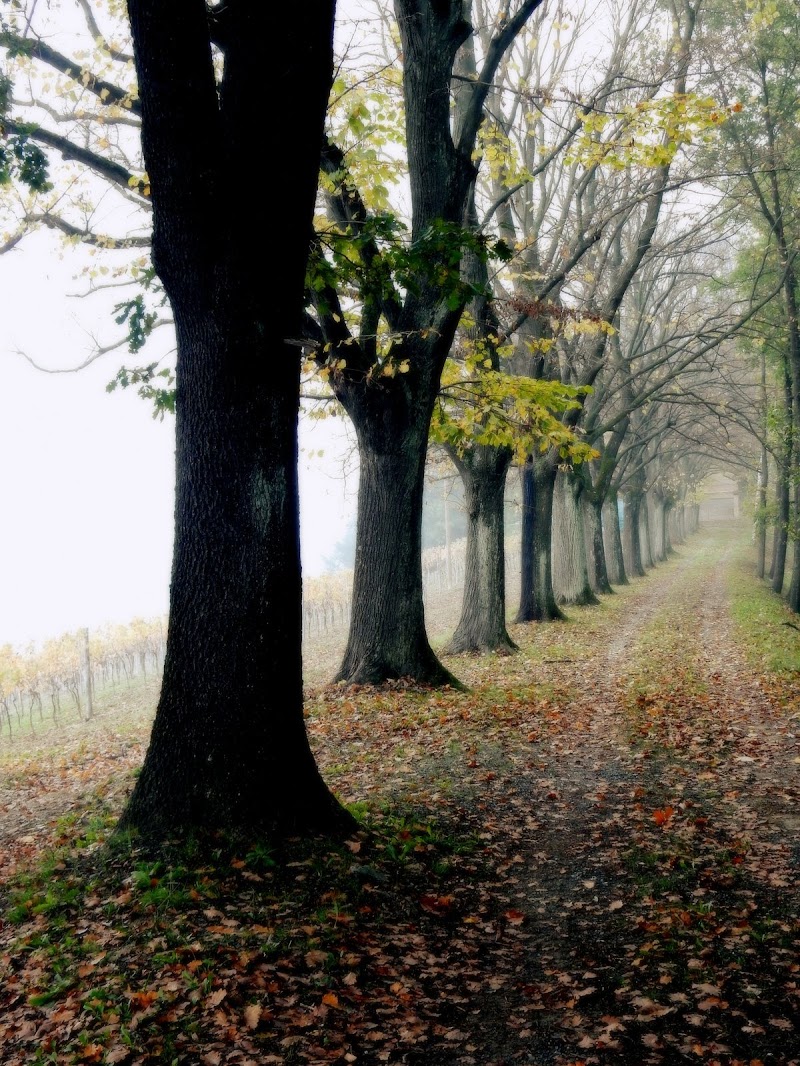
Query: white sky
(86, 477)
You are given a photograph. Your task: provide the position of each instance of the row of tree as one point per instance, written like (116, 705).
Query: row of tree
(521, 216)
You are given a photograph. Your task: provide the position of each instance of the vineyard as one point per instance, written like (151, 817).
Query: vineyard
(68, 678)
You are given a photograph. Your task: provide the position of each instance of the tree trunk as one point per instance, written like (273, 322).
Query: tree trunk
(229, 747)
(537, 599)
(613, 541)
(781, 533)
(482, 626)
(593, 517)
(631, 535)
(667, 536)
(645, 543)
(570, 573)
(658, 529)
(387, 636)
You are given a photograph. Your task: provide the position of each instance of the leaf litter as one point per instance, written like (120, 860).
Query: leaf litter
(590, 857)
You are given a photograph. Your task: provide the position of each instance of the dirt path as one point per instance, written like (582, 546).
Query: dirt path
(666, 822)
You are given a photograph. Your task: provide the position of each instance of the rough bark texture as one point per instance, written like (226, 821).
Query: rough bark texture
(537, 598)
(570, 573)
(387, 636)
(598, 569)
(228, 747)
(612, 537)
(482, 626)
(483, 469)
(781, 532)
(645, 539)
(631, 538)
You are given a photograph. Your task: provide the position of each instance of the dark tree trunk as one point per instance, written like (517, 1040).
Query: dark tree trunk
(631, 534)
(571, 582)
(781, 534)
(793, 595)
(614, 540)
(228, 747)
(668, 549)
(482, 626)
(645, 539)
(763, 478)
(537, 599)
(593, 510)
(387, 636)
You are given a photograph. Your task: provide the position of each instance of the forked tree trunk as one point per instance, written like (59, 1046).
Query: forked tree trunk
(391, 412)
(228, 747)
(537, 599)
(482, 626)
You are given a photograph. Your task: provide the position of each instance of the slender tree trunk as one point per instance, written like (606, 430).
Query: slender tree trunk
(645, 542)
(763, 479)
(482, 626)
(761, 518)
(793, 595)
(781, 534)
(86, 674)
(537, 599)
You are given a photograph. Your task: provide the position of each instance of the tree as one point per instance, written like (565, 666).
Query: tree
(228, 747)
(386, 372)
(753, 64)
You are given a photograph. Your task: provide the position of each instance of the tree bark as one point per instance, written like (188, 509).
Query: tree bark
(631, 533)
(593, 515)
(613, 541)
(387, 637)
(482, 626)
(570, 572)
(229, 747)
(781, 533)
(645, 541)
(537, 598)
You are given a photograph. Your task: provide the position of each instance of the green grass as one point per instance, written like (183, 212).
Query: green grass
(765, 624)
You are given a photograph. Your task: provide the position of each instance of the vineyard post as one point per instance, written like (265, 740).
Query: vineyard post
(86, 671)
